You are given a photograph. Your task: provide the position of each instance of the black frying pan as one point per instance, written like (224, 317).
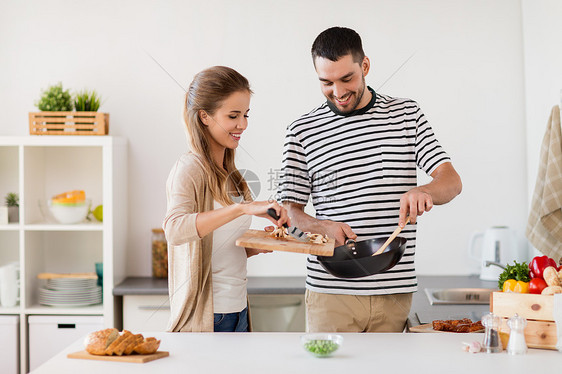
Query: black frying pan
(355, 260)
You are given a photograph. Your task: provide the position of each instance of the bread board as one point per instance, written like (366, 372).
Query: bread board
(428, 327)
(138, 359)
(259, 239)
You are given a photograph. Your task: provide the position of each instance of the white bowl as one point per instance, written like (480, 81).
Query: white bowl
(69, 213)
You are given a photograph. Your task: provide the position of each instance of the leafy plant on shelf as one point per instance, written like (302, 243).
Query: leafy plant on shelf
(55, 99)
(12, 199)
(87, 101)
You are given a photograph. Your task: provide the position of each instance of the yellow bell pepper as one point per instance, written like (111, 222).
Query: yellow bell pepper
(511, 285)
(521, 287)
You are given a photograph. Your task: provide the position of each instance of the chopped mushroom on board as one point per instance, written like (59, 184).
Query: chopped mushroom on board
(282, 232)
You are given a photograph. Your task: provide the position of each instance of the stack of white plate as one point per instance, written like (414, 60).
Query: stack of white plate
(70, 292)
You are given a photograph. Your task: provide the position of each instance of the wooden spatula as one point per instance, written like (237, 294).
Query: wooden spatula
(392, 237)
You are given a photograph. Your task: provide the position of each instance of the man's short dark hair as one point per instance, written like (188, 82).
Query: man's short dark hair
(336, 42)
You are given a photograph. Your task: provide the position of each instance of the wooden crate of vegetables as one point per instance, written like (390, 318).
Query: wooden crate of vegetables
(527, 291)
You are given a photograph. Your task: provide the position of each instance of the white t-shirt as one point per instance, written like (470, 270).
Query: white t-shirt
(229, 266)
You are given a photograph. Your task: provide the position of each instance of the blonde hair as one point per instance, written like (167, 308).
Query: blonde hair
(207, 92)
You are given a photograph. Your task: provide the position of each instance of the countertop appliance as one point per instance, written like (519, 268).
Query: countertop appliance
(498, 246)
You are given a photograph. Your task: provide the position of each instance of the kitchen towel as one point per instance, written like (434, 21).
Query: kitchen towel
(544, 227)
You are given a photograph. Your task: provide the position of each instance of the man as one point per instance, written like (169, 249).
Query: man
(356, 157)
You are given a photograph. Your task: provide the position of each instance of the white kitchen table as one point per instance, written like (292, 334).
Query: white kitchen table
(283, 353)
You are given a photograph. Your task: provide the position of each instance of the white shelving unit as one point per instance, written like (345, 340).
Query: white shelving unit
(38, 167)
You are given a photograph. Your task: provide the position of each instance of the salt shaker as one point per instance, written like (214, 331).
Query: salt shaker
(517, 344)
(492, 342)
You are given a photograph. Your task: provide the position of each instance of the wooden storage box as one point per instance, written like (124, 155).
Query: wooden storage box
(537, 309)
(68, 123)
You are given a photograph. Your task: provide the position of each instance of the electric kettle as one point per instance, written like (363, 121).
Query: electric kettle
(498, 247)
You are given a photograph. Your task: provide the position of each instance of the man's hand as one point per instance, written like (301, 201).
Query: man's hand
(414, 203)
(337, 230)
(446, 184)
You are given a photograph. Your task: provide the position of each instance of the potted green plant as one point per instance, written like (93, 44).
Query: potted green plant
(87, 101)
(12, 202)
(55, 99)
(57, 118)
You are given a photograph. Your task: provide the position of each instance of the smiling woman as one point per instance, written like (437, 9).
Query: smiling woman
(207, 271)
(232, 121)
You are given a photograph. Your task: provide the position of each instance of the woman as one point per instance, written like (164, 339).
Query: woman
(207, 271)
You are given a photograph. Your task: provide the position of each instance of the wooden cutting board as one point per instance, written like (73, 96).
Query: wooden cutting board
(259, 239)
(67, 275)
(139, 359)
(428, 327)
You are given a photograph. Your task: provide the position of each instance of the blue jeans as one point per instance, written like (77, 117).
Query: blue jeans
(232, 322)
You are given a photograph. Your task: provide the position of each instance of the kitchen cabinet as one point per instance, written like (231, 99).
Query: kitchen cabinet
(276, 303)
(9, 348)
(146, 312)
(48, 335)
(38, 167)
(277, 313)
(268, 312)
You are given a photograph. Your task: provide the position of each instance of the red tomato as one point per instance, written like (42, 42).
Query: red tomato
(537, 285)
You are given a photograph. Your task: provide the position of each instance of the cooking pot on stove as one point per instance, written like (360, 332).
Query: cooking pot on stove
(356, 260)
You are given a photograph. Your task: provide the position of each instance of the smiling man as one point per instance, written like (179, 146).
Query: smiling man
(356, 157)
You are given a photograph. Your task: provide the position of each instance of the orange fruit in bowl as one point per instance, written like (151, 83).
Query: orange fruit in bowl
(70, 197)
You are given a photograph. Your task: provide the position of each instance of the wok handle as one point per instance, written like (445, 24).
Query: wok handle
(273, 214)
(352, 243)
(392, 237)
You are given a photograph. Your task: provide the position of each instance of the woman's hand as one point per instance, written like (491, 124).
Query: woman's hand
(259, 209)
(252, 251)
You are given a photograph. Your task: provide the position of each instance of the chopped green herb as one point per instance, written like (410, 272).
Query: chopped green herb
(321, 348)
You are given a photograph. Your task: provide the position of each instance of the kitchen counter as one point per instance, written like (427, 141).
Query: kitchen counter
(291, 285)
(256, 285)
(283, 353)
(421, 312)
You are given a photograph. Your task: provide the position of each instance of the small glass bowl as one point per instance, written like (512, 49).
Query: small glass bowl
(321, 345)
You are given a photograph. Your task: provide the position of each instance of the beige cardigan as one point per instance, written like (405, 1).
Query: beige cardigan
(189, 256)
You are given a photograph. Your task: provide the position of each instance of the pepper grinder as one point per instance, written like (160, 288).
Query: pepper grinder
(492, 342)
(517, 344)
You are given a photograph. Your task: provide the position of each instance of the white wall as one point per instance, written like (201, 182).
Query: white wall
(542, 26)
(467, 74)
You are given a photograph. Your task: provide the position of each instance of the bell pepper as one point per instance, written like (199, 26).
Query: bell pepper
(539, 263)
(521, 287)
(536, 285)
(512, 285)
(509, 285)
